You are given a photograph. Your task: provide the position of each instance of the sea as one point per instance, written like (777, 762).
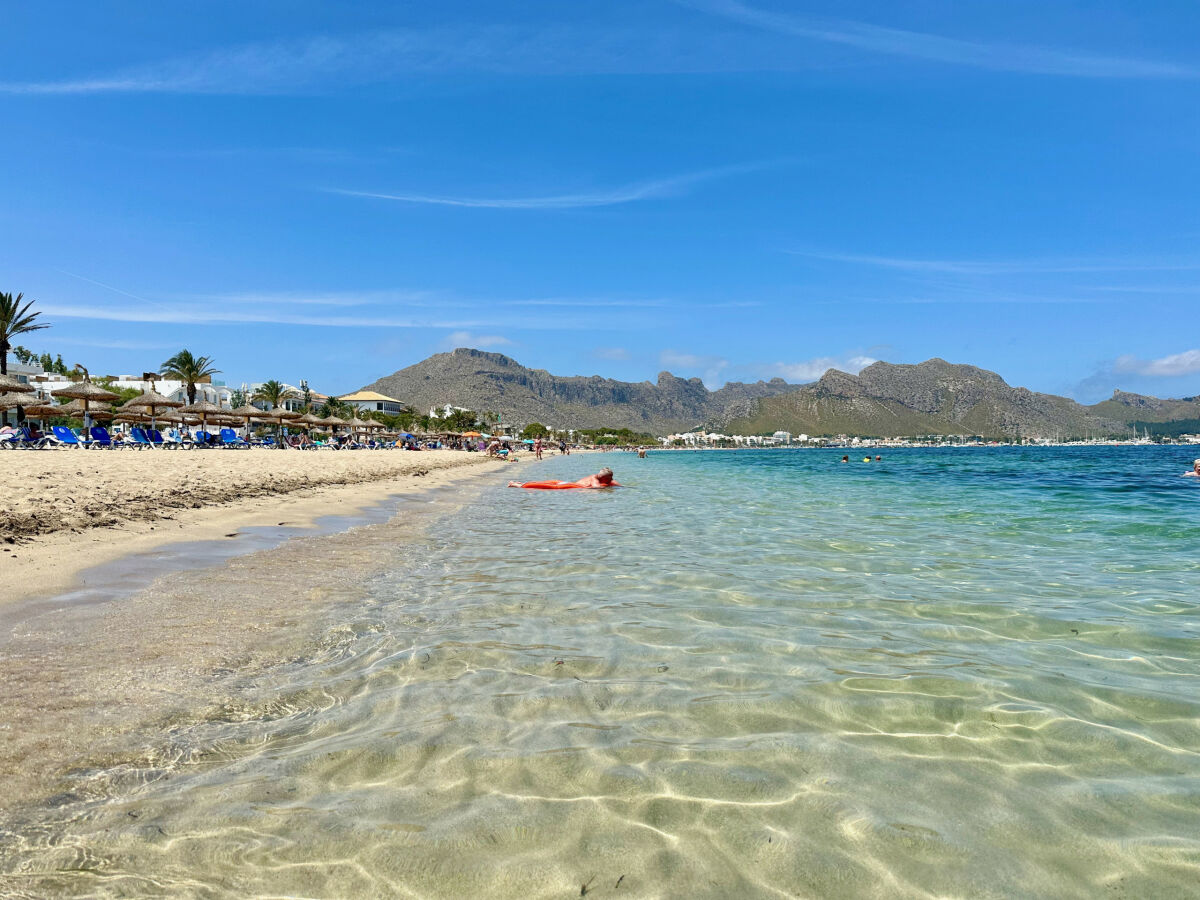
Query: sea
(952, 672)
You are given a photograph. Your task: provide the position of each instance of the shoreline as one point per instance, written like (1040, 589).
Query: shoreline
(57, 561)
(92, 681)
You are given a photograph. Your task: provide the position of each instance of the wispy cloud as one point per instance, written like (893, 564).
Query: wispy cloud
(474, 341)
(593, 303)
(1002, 267)
(334, 299)
(628, 193)
(371, 309)
(113, 345)
(618, 354)
(196, 314)
(1185, 363)
(709, 367)
(316, 64)
(812, 369)
(1033, 60)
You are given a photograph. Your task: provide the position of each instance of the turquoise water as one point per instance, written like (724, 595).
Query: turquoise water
(951, 673)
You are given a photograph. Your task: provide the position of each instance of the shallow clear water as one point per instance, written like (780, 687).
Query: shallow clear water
(952, 673)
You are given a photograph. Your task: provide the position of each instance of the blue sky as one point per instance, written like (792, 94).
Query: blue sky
(723, 189)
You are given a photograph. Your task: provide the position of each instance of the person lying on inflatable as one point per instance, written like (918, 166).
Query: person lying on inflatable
(602, 479)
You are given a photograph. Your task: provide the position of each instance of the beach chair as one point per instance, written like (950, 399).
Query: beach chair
(229, 438)
(61, 436)
(100, 438)
(28, 439)
(180, 440)
(156, 438)
(137, 437)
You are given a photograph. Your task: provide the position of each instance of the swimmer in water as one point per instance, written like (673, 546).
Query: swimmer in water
(845, 459)
(602, 479)
(1195, 473)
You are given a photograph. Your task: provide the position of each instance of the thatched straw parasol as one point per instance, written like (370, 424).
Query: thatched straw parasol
(10, 385)
(77, 410)
(13, 400)
(42, 410)
(203, 409)
(278, 415)
(88, 393)
(151, 401)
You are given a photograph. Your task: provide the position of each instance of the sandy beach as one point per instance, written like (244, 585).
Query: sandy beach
(68, 511)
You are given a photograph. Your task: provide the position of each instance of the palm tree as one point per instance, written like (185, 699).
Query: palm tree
(188, 369)
(274, 392)
(14, 319)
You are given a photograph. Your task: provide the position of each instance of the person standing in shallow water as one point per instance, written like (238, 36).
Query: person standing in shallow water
(1195, 473)
(537, 448)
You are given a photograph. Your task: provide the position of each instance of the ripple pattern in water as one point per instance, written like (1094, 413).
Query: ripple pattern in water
(951, 673)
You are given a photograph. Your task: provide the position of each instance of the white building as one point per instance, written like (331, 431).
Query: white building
(370, 401)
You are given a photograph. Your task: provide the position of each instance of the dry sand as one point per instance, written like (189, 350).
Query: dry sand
(67, 511)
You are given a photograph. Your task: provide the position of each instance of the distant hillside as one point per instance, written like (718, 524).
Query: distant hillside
(934, 397)
(1150, 414)
(493, 382)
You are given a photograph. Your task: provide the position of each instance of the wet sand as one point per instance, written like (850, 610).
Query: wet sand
(80, 671)
(68, 511)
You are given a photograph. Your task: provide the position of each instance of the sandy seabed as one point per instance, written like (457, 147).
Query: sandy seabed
(77, 672)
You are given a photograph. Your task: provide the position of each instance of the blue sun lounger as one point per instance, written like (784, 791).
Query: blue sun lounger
(62, 436)
(229, 438)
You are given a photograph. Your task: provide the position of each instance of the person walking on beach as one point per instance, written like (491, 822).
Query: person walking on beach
(537, 448)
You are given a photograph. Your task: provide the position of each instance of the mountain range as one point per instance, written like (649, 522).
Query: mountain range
(883, 400)
(492, 382)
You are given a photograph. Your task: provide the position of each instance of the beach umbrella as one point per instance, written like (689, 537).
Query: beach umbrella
(10, 385)
(18, 401)
(244, 414)
(151, 401)
(42, 410)
(76, 410)
(473, 434)
(13, 400)
(279, 415)
(203, 409)
(86, 392)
